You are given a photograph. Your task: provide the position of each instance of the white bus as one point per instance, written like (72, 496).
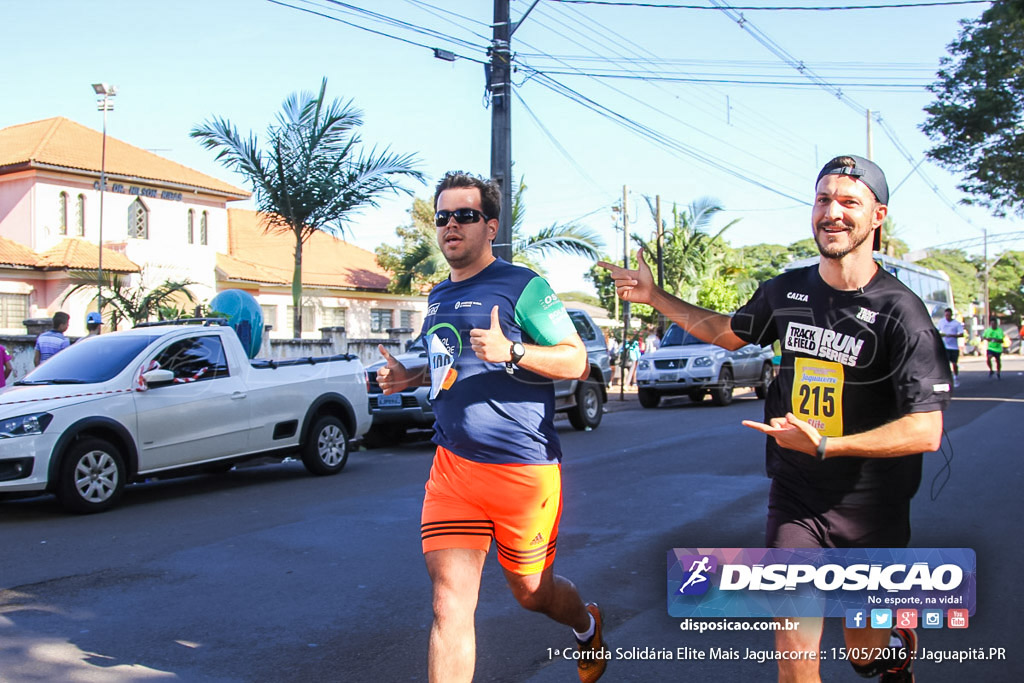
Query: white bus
(931, 285)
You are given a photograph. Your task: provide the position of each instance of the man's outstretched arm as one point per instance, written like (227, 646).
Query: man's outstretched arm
(637, 286)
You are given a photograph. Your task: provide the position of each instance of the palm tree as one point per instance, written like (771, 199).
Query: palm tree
(566, 238)
(312, 176)
(692, 255)
(136, 304)
(418, 263)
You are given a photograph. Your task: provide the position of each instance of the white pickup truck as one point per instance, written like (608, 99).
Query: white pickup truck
(170, 399)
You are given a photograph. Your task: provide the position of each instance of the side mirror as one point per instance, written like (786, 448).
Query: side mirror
(158, 376)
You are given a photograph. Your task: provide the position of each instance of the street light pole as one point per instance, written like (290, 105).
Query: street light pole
(104, 91)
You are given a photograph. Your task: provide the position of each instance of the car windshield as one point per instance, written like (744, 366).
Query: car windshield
(677, 336)
(90, 360)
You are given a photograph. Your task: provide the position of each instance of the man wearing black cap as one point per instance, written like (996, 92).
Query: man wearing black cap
(858, 399)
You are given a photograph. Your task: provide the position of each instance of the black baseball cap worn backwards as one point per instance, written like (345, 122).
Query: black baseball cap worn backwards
(867, 172)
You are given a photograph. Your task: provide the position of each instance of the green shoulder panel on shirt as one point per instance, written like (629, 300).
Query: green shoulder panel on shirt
(541, 314)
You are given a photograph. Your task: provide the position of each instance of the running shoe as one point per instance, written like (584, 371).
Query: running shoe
(903, 672)
(594, 654)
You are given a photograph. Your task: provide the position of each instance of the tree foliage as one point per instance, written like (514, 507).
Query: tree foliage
(1006, 286)
(963, 272)
(124, 301)
(977, 118)
(698, 266)
(313, 175)
(762, 262)
(417, 263)
(693, 256)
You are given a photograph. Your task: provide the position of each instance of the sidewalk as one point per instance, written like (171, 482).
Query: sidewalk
(629, 400)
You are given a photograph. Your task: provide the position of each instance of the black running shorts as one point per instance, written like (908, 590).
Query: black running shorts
(796, 522)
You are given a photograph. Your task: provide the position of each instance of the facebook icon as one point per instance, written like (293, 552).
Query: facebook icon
(856, 618)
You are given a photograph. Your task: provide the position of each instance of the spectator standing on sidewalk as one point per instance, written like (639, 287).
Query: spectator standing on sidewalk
(53, 341)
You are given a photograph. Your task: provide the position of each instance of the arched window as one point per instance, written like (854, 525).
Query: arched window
(190, 227)
(204, 229)
(80, 216)
(138, 220)
(62, 213)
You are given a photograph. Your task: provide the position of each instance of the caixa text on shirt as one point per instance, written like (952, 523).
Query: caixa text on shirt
(822, 343)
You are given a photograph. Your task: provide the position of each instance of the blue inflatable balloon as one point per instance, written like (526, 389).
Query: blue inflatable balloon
(243, 314)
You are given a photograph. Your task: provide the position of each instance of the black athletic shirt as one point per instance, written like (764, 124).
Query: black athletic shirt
(851, 361)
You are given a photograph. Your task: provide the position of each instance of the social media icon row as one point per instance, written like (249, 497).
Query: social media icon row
(905, 618)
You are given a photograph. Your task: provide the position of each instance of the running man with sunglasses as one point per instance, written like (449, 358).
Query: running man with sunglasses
(496, 337)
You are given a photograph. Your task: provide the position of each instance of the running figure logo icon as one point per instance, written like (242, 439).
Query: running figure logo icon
(696, 581)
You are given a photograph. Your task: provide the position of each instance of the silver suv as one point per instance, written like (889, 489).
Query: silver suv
(583, 402)
(684, 365)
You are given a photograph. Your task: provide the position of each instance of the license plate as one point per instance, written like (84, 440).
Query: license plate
(668, 377)
(392, 401)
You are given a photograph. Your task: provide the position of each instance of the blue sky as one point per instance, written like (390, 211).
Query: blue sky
(177, 64)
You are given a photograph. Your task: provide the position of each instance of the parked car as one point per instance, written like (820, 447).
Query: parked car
(161, 400)
(583, 402)
(684, 365)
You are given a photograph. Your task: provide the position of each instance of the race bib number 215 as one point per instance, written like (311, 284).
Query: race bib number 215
(818, 394)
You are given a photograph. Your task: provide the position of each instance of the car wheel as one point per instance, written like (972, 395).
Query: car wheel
(91, 476)
(697, 395)
(326, 448)
(767, 377)
(721, 393)
(588, 410)
(648, 398)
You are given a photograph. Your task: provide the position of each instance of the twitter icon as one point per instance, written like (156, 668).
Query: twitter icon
(881, 618)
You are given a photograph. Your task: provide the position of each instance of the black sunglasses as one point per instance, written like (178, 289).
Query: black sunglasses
(462, 217)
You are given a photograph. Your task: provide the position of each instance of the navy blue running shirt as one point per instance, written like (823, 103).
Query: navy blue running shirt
(482, 412)
(851, 361)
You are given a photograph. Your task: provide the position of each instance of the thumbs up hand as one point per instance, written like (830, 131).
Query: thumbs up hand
(393, 377)
(491, 344)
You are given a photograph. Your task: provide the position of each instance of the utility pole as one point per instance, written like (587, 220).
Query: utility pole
(625, 304)
(500, 86)
(661, 252)
(661, 242)
(984, 232)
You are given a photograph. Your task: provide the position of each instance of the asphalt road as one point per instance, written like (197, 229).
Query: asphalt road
(268, 574)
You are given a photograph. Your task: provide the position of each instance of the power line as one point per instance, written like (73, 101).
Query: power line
(558, 145)
(535, 72)
(643, 102)
(757, 121)
(367, 29)
(778, 8)
(733, 81)
(666, 142)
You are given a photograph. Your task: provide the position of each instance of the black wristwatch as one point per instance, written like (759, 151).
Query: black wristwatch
(517, 351)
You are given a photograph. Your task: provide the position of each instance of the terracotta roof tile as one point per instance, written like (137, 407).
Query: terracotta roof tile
(64, 143)
(269, 257)
(77, 254)
(14, 254)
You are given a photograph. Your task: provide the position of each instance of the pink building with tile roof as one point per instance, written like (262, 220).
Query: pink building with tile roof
(161, 221)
